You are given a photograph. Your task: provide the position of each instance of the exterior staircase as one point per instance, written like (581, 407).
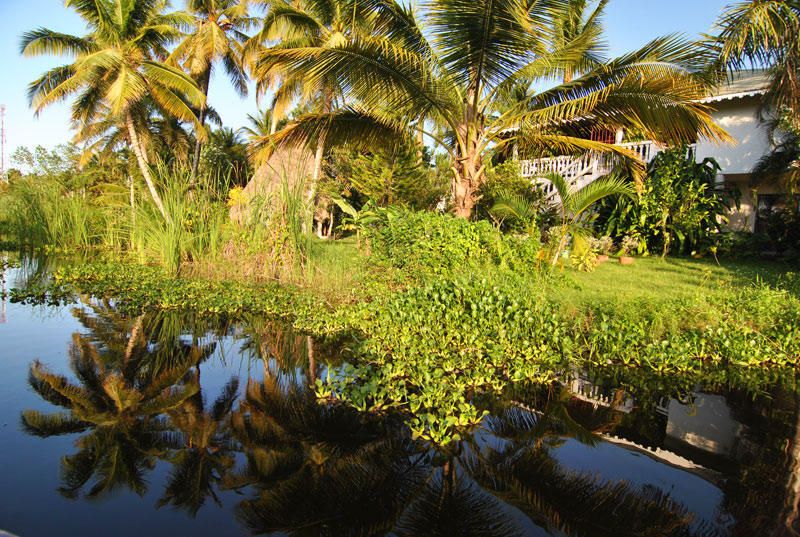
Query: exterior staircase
(582, 170)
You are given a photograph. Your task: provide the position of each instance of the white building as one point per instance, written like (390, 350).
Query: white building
(736, 108)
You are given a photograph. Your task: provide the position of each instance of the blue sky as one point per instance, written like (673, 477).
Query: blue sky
(629, 23)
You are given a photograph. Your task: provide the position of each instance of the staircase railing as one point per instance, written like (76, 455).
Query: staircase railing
(582, 170)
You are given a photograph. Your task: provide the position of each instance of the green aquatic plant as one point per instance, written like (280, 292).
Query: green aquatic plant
(429, 351)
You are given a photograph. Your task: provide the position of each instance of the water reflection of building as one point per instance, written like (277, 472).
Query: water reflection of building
(586, 391)
(706, 424)
(699, 433)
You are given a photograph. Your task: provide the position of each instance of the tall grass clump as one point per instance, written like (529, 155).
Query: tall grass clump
(194, 229)
(275, 229)
(42, 213)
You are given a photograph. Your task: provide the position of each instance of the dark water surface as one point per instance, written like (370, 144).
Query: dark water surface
(171, 425)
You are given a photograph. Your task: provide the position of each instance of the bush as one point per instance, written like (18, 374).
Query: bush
(678, 210)
(783, 229)
(424, 243)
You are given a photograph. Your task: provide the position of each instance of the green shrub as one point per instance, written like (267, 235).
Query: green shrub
(679, 208)
(783, 229)
(425, 243)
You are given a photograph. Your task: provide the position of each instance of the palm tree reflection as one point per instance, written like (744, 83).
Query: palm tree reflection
(203, 449)
(317, 469)
(120, 400)
(323, 470)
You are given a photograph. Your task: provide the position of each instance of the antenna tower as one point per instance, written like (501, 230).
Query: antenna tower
(2, 142)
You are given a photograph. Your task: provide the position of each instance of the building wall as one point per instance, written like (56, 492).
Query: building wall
(743, 218)
(740, 118)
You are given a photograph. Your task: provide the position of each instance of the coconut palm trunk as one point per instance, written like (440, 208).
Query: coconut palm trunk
(468, 169)
(327, 106)
(144, 166)
(132, 200)
(318, 156)
(204, 82)
(312, 362)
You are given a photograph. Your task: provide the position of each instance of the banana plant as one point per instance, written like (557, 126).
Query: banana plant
(357, 220)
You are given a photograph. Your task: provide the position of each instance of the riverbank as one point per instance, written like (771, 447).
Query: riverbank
(430, 348)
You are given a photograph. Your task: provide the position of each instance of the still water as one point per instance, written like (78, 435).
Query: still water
(172, 425)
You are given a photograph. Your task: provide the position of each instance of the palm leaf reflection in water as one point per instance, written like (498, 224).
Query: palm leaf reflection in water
(286, 463)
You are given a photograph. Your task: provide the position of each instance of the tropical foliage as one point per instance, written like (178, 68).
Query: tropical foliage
(764, 33)
(574, 205)
(116, 74)
(398, 78)
(680, 203)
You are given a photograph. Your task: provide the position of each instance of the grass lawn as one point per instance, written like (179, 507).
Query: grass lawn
(655, 279)
(337, 266)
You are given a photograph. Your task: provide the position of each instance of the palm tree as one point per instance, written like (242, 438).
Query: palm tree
(517, 206)
(225, 156)
(455, 72)
(783, 162)
(765, 33)
(573, 204)
(260, 125)
(116, 69)
(298, 25)
(580, 28)
(218, 37)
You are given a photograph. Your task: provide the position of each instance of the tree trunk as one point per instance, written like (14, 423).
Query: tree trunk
(132, 201)
(320, 152)
(205, 78)
(787, 523)
(141, 158)
(318, 155)
(136, 332)
(467, 174)
(468, 168)
(331, 214)
(560, 245)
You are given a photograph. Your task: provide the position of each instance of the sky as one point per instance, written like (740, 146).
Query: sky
(629, 24)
